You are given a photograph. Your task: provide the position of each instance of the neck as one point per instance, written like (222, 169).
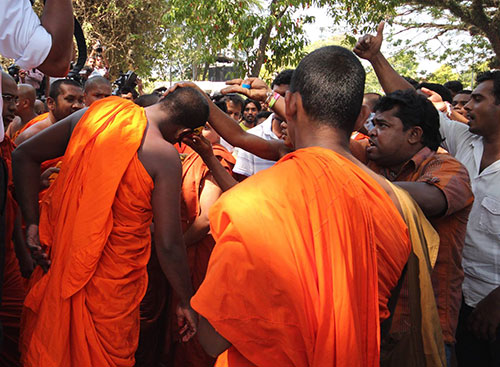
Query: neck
(396, 167)
(320, 135)
(248, 124)
(26, 116)
(52, 118)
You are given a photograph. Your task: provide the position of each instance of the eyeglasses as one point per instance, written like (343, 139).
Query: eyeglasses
(10, 98)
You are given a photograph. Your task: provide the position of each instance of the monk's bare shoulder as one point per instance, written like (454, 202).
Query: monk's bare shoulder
(158, 156)
(33, 130)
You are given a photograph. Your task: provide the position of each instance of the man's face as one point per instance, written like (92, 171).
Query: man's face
(233, 110)
(96, 93)
(459, 101)
(68, 101)
(10, 100)
(250, 113)
(482, 112)
(388, 142)
(281, 89)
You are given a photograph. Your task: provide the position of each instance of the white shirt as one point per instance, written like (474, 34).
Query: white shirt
(481, 255)
(22, 38)
(248, 164)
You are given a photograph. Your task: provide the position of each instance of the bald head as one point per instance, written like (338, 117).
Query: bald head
(28, 93)
(9, 96)
(7, 81)
(40, 107)
(96, 88)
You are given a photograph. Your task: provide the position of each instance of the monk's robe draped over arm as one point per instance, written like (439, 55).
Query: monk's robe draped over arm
(95, 221)
(293, 278)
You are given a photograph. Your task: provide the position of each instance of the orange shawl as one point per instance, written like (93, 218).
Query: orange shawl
(29, 124)
(293, 277)
(13, 284)
(95, 221)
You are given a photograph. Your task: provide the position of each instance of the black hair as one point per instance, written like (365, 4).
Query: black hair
(331, 82)
(147, 100)
(235, 98)
(412, 81)
(55, 87)
(263, 115)
(283, 78)
(454, 85)
(256, 103)
(414, 110)
(126, 90)
(187, 107)
(439, 89)
(222, 105)
(493, 75)
(465, 91)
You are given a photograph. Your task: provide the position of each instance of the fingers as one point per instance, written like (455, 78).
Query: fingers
(380, 29)
(235, 82)
(235, 89)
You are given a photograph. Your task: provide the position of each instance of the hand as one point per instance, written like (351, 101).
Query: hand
(258, 88)
(200, 145)
(187, 320)
(435, 98)
(485, 319)
(26, 265)
(184, 85)
(37, 253)
(48, 176)
(368, 46)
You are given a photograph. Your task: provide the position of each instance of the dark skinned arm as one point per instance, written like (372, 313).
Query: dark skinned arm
(204, 148)
(430, 199)
(162, 162)
(57, 19)
(212, 342)
(485, 319)
(22, 253)
(368, 48)
(26, 159)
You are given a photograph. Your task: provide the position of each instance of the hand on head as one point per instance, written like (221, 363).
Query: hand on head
(199, 144)
(368, 46)
(258, 88)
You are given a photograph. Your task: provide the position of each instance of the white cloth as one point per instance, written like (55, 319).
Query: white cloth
(481, 255)
(22, 38)
(248, 164)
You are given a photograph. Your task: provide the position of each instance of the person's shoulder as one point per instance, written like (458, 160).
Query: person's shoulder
(33, 130)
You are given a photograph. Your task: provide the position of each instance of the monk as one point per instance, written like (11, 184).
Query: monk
(312, 237)
(18, 261)
(25, 109)
(92, 238)
(96, 88)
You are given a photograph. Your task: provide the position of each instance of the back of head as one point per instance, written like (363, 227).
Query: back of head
(493, 75)
(147, 100)
(454, 85)
(95, 82)
(55, 87)
(283, 78)
(371, 99)
(26, 91)
(331, 82)
(414, 110)
(439, 89)
(186, 107)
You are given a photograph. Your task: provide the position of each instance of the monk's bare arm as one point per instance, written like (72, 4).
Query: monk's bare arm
(26, 159)
(210, 192)
(431, 200)
(28, 133)
(212, 342)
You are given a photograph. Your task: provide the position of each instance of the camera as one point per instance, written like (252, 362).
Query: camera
(127, 81)
(13, 70)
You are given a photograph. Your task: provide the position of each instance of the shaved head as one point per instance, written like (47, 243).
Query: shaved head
(7, 80)
(27, 92)
(9, 97)
(96, 88)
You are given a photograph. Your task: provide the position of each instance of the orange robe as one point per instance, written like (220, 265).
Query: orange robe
(194, 172)
(306, 253)
(29, 124)
(95, 220)
(13, 283)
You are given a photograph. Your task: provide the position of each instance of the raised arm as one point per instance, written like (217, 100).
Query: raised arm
(57, 18)
(368, 48)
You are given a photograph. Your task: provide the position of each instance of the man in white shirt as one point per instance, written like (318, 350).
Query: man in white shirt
(44, 43)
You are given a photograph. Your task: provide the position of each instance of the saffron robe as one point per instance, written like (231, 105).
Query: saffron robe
(29, 124)
(306, 253)
(95, 220)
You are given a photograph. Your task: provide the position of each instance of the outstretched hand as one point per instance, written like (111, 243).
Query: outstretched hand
(258, 88)
(37, 252)
(368, 46)
(200, 145)
(187, 320)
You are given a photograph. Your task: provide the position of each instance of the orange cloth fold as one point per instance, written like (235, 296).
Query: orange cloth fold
(29, 124)
(306, 253)
(13, 284)
(95, 220)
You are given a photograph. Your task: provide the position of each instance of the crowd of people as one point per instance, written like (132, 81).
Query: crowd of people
(302, 223)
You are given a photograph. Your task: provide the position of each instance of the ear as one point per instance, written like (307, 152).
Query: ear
(415, 135)
(362, 117)
(182, 132)
(51, 104)
(291, 105)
